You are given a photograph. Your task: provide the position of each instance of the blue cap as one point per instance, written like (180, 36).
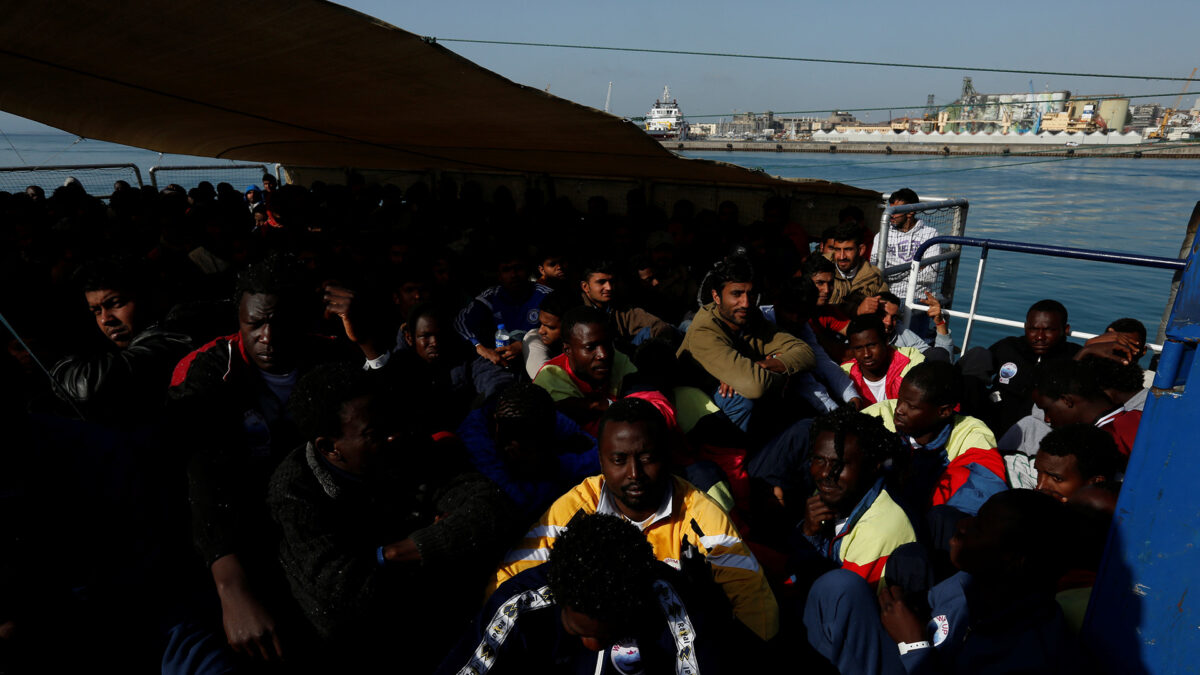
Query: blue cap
(252, 187)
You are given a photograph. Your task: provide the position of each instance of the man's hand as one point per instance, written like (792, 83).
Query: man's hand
(935, 313)
(599, 405)
(725, 391)
(249, 627)
(898, 620)
(778, 492)
(501, 356)
(402, 551)
(1116, 346)
(858, 402)
(868, 306)
(339, 302)
(510, 353)
(772, 364)
(817, 516)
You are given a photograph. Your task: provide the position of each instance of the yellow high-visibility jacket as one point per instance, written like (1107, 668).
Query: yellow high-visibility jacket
(685, 511)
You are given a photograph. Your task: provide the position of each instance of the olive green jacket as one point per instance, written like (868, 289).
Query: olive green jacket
(731, 357)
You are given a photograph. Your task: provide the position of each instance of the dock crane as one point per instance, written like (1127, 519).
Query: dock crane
(1161, 131)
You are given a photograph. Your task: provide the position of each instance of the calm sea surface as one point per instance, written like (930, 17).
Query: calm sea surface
(1134, 205)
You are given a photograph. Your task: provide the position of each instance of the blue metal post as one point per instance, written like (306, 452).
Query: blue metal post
(1143, 617)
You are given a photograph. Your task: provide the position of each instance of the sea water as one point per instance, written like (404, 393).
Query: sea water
(1114, 204)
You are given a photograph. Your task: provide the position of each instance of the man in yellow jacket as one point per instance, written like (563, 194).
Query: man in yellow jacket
(635, 485)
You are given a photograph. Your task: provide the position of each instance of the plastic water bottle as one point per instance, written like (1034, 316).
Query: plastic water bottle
(502, 336)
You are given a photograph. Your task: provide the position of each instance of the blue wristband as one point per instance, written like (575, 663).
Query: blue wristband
(379, 557)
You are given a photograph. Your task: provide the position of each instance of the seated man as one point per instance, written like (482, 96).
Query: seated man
(124, 382)
(852, 520)
(906, 233)
(552, 268)
(600, 591)
(228, 400)
(889, 312)
(997, 615)
(634, 485)
(876, 367)
(370, 522)
(1113, 357)
(952, 458)
(541, 345)
(1068, 392)
(587, 377)
(998, 380)
(437, 362)
(532, 451)
(512, 303)
(736, 356)
(629, 326)
(828, 321)
(827, 387)
(1073, 456)
(857, 281)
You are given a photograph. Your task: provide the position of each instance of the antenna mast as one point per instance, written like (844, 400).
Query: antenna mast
(608, 97)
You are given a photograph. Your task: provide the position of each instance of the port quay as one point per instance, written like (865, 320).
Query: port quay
(959, 148)
(1050, 123)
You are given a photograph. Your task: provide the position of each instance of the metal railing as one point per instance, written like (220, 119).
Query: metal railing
(209, 169)
(69, 168)
(956, 226)
(986, 245)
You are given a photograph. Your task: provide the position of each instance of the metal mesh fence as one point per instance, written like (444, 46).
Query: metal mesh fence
(96, 179)
(238, 175)
(932, 219)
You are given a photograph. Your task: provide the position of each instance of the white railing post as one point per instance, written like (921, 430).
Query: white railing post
(974, 297)
(911, 291)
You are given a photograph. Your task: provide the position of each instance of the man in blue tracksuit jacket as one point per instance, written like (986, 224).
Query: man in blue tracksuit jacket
(998, 615)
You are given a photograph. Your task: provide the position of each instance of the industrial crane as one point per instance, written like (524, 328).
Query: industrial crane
(1161, 131)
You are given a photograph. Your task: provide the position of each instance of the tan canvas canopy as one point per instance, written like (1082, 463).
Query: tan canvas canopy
(311, 83)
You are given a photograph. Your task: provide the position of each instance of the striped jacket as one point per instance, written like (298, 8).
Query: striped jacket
(876, 527)
(685, 512)
(972, 468)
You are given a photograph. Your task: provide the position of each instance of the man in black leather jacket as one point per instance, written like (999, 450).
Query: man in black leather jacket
(124, 381)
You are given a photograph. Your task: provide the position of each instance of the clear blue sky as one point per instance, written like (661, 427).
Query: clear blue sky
(1148, 38)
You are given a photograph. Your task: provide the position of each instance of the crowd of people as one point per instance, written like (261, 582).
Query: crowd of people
(340, 428)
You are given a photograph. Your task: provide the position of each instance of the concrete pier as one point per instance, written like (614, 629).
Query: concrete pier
(1143, 150)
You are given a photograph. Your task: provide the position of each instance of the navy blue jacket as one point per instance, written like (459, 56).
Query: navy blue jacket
(1029, 636)
(577, 460)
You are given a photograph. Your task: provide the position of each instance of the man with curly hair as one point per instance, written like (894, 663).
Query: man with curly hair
(851, 520)
(1074, 456)
(601, 591)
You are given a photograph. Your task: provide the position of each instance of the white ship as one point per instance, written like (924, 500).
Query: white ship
(664, 120)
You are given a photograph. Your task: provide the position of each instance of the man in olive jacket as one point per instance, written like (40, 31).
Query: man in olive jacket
(857, 283)
(742, 360)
